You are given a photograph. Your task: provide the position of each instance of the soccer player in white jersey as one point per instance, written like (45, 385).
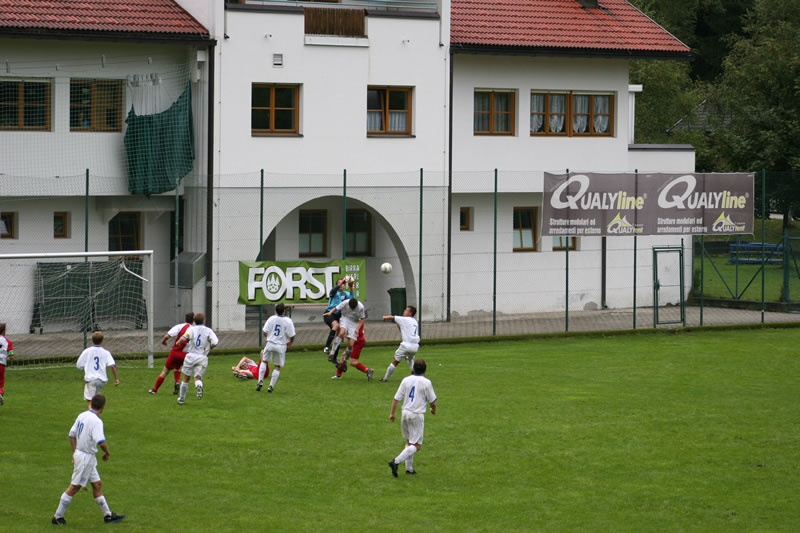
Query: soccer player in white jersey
(279, 333)
(85, 436)
(352, 321)
(6, 353)
(94, 360)
(201, 340)
(416, 392)
(409, 345)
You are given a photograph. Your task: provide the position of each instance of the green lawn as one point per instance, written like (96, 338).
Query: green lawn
(647, 432)
(729, 280)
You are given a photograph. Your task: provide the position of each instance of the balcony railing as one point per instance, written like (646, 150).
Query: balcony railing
(387, 5)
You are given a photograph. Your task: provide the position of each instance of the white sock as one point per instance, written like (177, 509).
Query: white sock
(347, 353)
(389, 370)
(103, 505)
(184, 388)
(198, 383)
(336, 342)
(410, 464)
(405, 454)
(63, 504)
(275, 375)
(262, 371)
(411, 365)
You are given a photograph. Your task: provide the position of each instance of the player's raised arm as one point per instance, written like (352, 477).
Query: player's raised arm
(388, 317)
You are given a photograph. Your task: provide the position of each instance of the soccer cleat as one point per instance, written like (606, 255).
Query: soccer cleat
(411, 471)
(177, 388)
(260, 384)
(369, 374)
(113, 517)
(180, 400)
(59, 521)
(393, 466)
(2, 399)
(332, 358)
(152, 391)
(383, 380)
(269, 389)
(199, 392)
(342, 366)
(336, 377)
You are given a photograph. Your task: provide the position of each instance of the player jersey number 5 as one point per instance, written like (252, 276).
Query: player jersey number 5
(276, 332)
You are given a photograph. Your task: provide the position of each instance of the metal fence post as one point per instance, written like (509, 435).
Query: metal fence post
(635, 242)
(419, 274)
(763, 238)
(260, 253)
(494, 262)
(344, 214)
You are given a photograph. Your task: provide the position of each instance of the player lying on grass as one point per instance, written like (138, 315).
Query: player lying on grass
(176, 355)
(85, 436)
(416, 392)
(247, 368)
(409, 345)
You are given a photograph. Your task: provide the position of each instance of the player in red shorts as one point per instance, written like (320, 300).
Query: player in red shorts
(6, 353)
(354, 356)
(247, 369)
(176, 355)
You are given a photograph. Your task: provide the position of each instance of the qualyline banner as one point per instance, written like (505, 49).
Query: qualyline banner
(296, 282)
(647, 204)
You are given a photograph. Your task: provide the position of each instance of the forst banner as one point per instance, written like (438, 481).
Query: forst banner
(647, 204)
(296, 282)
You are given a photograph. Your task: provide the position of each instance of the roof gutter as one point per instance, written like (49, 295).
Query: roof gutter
(197, 39)
(594, 53)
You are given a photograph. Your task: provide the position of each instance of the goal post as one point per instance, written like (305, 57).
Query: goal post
(51, 304)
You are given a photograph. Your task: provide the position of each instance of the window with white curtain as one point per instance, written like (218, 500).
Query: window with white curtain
(578, 114)
(388, 111)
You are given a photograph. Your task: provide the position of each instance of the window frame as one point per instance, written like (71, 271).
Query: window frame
(95, 108)
(535, 229)
(20, 104)
(65, 234)
(271, 108)
(570, 114)
(10, 219)
(324, 252)
(120, 237)
(491, 113)
(387, 90)
(348, 231)
(571, 239)
(465, 212)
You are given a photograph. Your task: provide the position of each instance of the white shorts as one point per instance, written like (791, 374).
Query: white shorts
(406, 350)
(195, 365)
(412, 426)
(85, 469)
(275, 354)
(349, 326)
(91, 388)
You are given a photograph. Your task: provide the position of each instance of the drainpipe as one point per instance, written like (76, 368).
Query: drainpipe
(210, 185)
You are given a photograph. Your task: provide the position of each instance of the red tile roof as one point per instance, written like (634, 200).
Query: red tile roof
(127, 16)
(559, 24)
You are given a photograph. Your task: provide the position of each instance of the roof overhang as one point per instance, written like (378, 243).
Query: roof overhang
(107, 36)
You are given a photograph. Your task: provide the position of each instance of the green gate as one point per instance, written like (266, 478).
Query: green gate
(667, 275)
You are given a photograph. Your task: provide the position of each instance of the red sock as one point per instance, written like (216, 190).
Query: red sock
(2, 378)
(338, 372)
(159, 381)
(178, 376)
(361, 367)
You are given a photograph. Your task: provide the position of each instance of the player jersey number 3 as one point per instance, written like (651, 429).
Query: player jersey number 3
(96, 363)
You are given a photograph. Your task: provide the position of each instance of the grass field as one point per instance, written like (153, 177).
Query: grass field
(697, 431)
(737, 281)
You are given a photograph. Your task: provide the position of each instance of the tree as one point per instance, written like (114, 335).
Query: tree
(759, 99)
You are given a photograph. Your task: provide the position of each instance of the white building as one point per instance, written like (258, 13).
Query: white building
(309, 91)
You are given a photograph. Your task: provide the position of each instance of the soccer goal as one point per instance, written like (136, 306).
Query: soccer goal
(53, 302)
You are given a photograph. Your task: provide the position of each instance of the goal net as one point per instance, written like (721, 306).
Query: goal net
(53, 302)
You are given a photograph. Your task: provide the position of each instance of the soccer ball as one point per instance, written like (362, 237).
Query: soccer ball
(349, 279)
(386, 268)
